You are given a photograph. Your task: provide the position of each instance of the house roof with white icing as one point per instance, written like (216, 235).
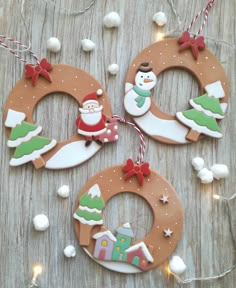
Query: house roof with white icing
(144, 248)
(105, 233)
(94, 191)
(126, 230)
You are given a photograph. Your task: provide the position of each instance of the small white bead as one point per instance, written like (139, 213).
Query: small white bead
(53, 44)
(87, 45)
(113, 69)
(64, 191)
(41, 222)
(177, 265)
(70, 251)
(220, 171)
(112, 20)
(198, 163)
(99, 92)
(160, 18)
(205, 175)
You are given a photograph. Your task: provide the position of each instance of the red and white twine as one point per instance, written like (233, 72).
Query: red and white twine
(142, 144)
(4, 38)
(204, 11)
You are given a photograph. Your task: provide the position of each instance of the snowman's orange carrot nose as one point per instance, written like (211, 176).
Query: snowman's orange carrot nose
(146, 80)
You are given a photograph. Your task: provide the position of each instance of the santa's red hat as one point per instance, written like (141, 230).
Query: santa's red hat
(92, 97)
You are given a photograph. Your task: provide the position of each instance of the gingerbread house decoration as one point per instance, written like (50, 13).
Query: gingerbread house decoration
(139, 255)
(104, 245)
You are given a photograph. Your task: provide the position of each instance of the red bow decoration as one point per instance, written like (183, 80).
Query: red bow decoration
(42, 69)
(139, 170)
(195, 44)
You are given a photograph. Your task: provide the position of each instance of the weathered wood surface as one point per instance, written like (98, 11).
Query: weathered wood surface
(206, 244)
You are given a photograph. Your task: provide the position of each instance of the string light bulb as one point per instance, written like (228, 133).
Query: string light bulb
(37, 271)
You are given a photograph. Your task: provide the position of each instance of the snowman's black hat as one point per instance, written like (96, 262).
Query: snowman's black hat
(144, 67)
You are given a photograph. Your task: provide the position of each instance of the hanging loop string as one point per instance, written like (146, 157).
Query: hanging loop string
(204, 11)
(142, 145)
(13, 51)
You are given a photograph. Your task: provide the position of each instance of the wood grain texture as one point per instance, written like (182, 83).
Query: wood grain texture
(206, 244)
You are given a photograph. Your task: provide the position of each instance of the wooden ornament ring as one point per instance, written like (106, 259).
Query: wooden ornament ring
(65, 79)
(164, 55)
(165, 215)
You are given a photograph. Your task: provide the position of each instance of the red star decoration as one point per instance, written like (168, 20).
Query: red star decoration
(195, 43)
(140, 170)
(42, 69)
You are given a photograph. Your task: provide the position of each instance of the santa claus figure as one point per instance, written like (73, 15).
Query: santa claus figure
(92, 122)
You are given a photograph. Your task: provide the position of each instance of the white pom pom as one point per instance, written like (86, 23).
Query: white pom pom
(64, 191)
(53, 44)
(160, 18)
(70, 251)
(113, 69)
(41, 222)
(220, 171)
(87, 45)
(99, 92)
(198, 163)
(177, 265)
(205, 175)
(112, 20)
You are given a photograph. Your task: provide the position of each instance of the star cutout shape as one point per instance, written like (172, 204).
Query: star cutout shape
(168, 232)
(164, 199)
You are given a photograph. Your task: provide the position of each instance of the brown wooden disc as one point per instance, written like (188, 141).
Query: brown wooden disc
(165, 215)
(65, 79)
(164, 55)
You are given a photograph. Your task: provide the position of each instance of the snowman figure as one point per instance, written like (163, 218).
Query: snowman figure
(137, 99)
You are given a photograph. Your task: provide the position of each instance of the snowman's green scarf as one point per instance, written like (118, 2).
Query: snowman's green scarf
(142, 95)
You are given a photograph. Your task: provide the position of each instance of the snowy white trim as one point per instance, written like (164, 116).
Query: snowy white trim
(72, 154)
(224, 107)
(95, 133)
(121, 267)
(206, 112)
(31, 134)
(106, 233)
(94, 191)
(89, 222)
(14, 118)
(126, 225)
(144, 248)
(215, 90)
(85, 208)
(33, 156)
(155, 126)
(199, 129)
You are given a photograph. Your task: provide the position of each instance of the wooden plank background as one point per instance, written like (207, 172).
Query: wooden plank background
(206, 245)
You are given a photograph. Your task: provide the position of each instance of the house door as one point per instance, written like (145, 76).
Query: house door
(102, 254)
(135, 261)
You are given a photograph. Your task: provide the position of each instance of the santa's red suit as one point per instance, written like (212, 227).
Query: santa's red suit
(91, 122)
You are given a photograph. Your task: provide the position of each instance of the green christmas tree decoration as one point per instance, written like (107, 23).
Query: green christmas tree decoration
(89, 213)
(24, 137)
(206, 109)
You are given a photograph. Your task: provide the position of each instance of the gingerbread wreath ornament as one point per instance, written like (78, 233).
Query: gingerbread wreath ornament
(93, 127)
(185, 52)
(118, 250)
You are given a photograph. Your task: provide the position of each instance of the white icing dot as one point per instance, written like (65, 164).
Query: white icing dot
(122, 188)
(76, 76)
(224, 83)
(134, 65)
(25, 86)
(100, 176)
(130, 181)
(91, 84)
(155, 204)
(158, 227)
(138, 189)
(148, 179)
(164, 63)
(28, 107)
(174, 56)
(206, 57)
(21, 97)
(110, 180)
(62, 81)
(103, 99)
(108, 190)
(213, 67)
(169, 242)
(106, 140)
(176, 223)
(181, 62)
(198, 63)
(161, 53)
(108, 131)
(201, 74)
(166, 44)
(151, 61)
(159, 248)
(33, 97)
(75, 89)
(149, 51)
(121, 178)
(166, 189)
(152, 193)
(44, 87)
(114, 171)
(166, 214)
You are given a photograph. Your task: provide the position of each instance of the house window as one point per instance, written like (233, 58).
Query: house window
(104, 243)
(122, 240)
(118, 249)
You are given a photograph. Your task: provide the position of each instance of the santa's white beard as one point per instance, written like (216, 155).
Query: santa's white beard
(91, 118)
